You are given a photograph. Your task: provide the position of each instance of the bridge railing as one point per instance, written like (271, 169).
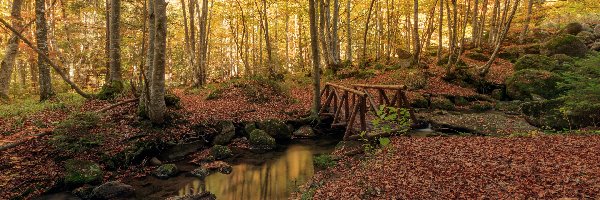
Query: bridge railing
(398, 98)
(338, 103)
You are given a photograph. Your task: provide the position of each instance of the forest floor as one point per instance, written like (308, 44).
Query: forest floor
(31, 168)
(541, 167)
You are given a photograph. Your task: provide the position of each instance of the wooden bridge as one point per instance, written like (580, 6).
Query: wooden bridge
(346, 104)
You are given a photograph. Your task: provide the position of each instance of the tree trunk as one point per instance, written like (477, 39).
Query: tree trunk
(486, 68)
(474, 20)
(315, 54)
(107, 41)
(416, 42)
(157, 106)
(149, 65)
(348, 32)
(334, 32)
(268, 41)
(527, 21)
(202, 45)
(364, 54)
(440, 25)
(12, 49)
(115, 43)
(41, 34)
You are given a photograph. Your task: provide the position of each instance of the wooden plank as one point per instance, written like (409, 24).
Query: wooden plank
(351, 122)
(388, 87)
(363, 113)
(347, 89)
(384, 96)
(346, 106)
(374, 106)
(327, 102)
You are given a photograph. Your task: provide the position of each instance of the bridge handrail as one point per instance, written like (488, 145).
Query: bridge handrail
(357, 92)
(388, 87)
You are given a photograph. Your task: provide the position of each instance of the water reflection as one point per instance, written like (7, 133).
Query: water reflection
(272, 180)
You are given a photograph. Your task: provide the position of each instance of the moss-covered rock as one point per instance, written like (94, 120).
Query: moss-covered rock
(79, 172)
(532, 48)
(200, 172)
(481, 106)
(573, 28)
(113, 190)
(419, 102)
(545, 114)
(562, 59)
(477, 56)
(444, 60)
(586, 37)
(110, 91)
(249, 127)
(276, 128)
(305, 132)
(220, 152)
(565, 44)
(523, 84)
(226, 134)
(259, 139)
(536, 61)
(442, 103)
(166, 171)
(511, 53)
(172, 100)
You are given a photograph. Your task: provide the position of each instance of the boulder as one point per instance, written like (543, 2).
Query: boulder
(250, 127)
(260, 140)
(113, 190)
(565, 44)
(200, 196)
(276, 129)
(442, 103)
(523, 84)
(597, 31)
(545, 114)
(477, 56)
(586, 37)
(595, 46)
(201, 172)
(511, 53)
(172, 100)
(536, 61)
(180, 150)
(487, 123)
(305, 132)
(220, 152)
(79, 172)
(155, 161)
(166, 170)
(226, 134)
(573, 28)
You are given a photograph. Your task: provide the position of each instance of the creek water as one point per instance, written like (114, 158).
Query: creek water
(272, 175)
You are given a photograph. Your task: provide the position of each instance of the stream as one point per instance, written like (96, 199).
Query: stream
(272, 175)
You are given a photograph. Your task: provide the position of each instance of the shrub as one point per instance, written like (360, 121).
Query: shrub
(323, 161)
(573, 28)
(172, 100)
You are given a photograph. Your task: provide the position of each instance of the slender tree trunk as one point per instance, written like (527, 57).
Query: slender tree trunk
(416, 42)
(348, 32)
(364, 54)
(143, 108)
(481, 26)
(46, 91)
(315, 54)
(11, 51)
(268, 41)
(107, 41)
(202, 45)
(474, 20)
(115, 43)
(486, 68)
(527, 21)
(440, 33)
(157, 87)
(334, 31)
